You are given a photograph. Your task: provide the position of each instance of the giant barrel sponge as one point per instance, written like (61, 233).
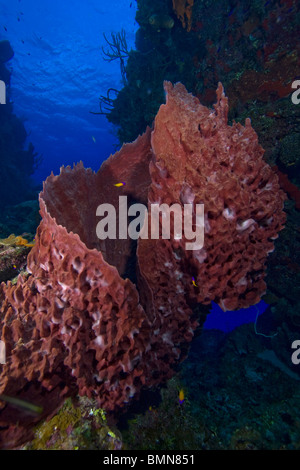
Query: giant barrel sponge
(77, 323)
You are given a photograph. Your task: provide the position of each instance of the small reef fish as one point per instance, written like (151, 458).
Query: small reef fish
(152, 410)
(194, 282)
(94, 140)
(181, 396)
(36, 410)
(118, 185)
(159, 22)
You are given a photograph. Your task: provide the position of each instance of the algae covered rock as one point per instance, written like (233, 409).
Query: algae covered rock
(76, 427)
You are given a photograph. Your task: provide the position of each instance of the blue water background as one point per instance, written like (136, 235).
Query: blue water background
(58, 74)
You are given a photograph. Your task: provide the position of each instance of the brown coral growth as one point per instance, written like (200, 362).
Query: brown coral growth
(183, 10)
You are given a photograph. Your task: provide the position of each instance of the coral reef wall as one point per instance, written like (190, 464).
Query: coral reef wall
(16, 163)
(249, 46)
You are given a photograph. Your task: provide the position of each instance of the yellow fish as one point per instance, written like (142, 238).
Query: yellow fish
(181, 396)
(194, 283)
(118, 185)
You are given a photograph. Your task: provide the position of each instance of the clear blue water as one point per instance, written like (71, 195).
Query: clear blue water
(59, 73)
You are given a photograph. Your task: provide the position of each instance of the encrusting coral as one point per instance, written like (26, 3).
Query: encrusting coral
(15, 240)
(13, 257)
(78, 324)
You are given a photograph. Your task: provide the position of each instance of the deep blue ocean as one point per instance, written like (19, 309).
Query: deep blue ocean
(58, 74)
